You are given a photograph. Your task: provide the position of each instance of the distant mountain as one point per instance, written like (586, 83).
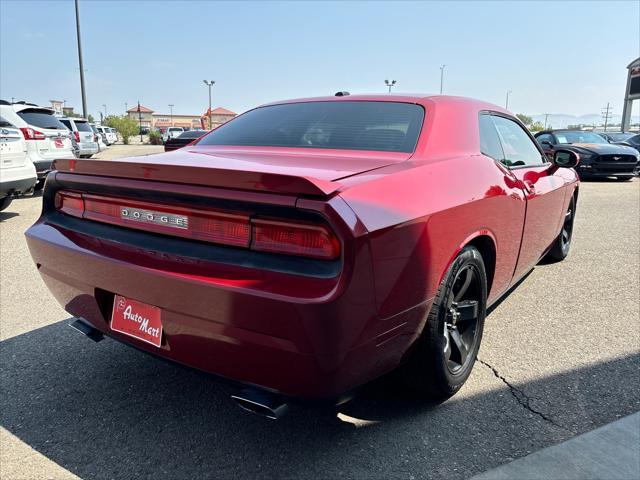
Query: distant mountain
(563, 120)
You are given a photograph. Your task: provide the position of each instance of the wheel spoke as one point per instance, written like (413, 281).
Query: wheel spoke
(460, 345)
(465, 285)
(468, 310)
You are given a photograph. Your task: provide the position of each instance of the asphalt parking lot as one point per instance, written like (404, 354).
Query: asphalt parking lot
(560, 356)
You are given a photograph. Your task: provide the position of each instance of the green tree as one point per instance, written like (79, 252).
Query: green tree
(126, 127)
(536, 127)
(526, 119)
(90, 118)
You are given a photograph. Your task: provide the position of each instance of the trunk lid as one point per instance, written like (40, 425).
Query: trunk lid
(278, 170)
(13, 150)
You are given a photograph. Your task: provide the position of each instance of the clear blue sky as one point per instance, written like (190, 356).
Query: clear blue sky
(559, 57)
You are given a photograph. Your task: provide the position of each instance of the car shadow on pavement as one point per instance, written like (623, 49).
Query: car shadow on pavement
(108, 411)
(4, 216)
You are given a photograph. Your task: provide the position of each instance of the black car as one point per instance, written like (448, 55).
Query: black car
(598, 157)
(616, 137)
(185, 138)
(633, 142)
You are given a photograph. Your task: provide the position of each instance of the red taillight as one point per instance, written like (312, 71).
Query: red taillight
(70, 203)
(77, 135)
(31, 134)
(234, 229)
(294, 239)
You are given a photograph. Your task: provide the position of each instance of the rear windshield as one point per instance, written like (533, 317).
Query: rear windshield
(41, 118)
(350, 125)
(83, 127)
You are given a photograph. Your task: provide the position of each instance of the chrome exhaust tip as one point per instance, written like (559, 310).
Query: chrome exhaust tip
(84, 327)
(261, 403)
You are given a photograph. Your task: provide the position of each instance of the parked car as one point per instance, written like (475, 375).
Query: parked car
(17, 173)
(171, 132)
(100, 136)
(598, 157)
(113, 134)
(633, 142)
(615, 137)
(84, 135)
(46, 137)
(109, 133)
(307, 247)
(185, 138)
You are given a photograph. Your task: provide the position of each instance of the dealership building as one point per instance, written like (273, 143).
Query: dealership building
(150, 119)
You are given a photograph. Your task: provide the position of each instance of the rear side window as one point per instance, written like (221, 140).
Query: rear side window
(519, 150)
(350, 125)
(83, 127)
(41, 118)
(489, 140)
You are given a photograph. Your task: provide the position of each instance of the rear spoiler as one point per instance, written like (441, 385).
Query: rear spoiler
(202, 176)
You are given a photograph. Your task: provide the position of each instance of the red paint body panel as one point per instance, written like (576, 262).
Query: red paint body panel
(303, 329)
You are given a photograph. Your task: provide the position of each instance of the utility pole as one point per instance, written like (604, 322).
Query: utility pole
(390, 84)
(506, 104)
(126, 107)
(209, 84)
(606, 113)
(546, 116)
(84, 95)
(171, 113)
(140, 121)
(441, 77)
(105, 110)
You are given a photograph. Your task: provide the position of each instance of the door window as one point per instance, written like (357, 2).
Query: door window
(519, 149)
(545, 137)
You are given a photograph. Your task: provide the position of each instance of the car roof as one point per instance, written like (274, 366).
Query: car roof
(417, 98)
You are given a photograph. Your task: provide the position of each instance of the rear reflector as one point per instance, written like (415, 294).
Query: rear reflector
(236, 229)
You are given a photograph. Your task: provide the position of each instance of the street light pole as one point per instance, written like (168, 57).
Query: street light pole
(171, 113)
(209, 83)
(140, 121)
(105, 110)
(390, 84)
(506, 104)
(441, 77)
(84, 95)
(126, 108)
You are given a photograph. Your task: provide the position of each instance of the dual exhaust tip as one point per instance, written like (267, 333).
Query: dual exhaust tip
(254, 400)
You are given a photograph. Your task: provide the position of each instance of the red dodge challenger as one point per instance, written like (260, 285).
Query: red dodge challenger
(309, 246)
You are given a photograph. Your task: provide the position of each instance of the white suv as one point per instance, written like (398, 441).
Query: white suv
(17, 173)
(84, 135)
(46, 137)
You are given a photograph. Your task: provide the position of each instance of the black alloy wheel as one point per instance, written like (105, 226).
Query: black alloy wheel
(461, 323)
(562, 244)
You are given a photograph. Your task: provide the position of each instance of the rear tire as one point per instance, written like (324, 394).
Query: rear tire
(562, 243)
(5, 202)
(444, 355)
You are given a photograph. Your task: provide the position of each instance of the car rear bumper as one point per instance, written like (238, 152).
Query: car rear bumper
(320, 344)
(88, 149)
(16, 186)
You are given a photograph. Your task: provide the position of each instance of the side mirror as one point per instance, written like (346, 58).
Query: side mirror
(566, 159)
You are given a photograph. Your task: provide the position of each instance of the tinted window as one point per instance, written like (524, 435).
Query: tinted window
(383, 126)
(83, 126)
(41, 118)
(489, 140)
(635, 140)
(192, 134)
(545, 137)
(67, 124)
(519, 149)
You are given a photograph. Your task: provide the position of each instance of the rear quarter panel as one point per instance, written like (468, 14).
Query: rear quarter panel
(419, 216)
